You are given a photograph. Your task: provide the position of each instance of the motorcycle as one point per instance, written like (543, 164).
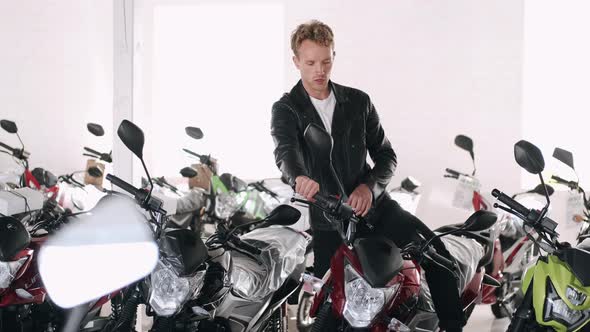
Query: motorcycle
(556, 288)
(567, 158)
(185, 268)
(38, 178)
(251, 277)
(518, 253)
(373, 284)
(510, 258)
(407, 197)
(179, 272)
(255, 199)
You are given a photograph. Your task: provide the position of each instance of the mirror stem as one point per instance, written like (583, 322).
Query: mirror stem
(340, 186)
(546, 192)
(21, 142)
(473, 159)
(148, 176)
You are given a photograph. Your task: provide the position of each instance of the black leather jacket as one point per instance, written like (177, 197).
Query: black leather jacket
(355, 130)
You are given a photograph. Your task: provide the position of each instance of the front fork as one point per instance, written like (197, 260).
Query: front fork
(524, 312)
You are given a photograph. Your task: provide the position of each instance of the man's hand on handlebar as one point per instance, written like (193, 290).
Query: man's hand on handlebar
(306, 187)
(361, 200)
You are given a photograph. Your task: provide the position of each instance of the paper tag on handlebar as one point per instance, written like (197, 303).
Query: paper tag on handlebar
(575, 207)
(89, 179)
(463, 197)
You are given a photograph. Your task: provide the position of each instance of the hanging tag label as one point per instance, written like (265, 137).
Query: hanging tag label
(463, 197)
(575, 209)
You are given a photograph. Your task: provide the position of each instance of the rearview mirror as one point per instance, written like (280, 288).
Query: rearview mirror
(132, 136)
(115, 234)
(188, 172)
(564, 156)
(320, 143)
(194, 132)
(465, 143)
(284, 215)
(479, 221)
(9, 126)
(95, 129)
(529, 157)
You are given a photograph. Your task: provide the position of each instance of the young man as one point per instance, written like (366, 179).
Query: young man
(351, 119)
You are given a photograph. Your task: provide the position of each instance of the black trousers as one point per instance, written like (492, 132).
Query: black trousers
(401, 227)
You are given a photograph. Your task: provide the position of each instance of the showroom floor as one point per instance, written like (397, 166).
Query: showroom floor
(482, 320)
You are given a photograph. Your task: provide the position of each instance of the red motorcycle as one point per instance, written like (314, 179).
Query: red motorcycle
(372, 284)
(38, 178)
(509, 256)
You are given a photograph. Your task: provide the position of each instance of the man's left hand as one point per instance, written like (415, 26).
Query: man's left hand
(361, 200)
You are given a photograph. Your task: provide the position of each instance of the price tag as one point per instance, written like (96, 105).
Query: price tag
(463, 197)
(574, 209)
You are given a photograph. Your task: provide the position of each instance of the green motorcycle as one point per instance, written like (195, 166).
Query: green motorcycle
(557, 288)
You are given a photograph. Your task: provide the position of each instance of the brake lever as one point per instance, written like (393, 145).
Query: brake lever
(90, 155)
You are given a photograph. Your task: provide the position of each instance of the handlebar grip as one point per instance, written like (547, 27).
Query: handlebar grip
(92, 151)
(247, 247)
(7, 147)
(123, 185)
(570, 184)
(442, 260)
(452, 172)
(514, 205)
(191, 153)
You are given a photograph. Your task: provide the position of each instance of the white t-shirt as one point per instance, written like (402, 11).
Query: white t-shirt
(325, 108)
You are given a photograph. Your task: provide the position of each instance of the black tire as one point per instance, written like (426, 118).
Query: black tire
(499, 310)
(304, 321)
(325, 320)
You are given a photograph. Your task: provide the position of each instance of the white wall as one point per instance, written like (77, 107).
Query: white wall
(433, 69)
(57, 75)
(556, 81)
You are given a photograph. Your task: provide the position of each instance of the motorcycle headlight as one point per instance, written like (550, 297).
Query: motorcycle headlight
(575, 296)
(363, 302)
(225, 205)
(557, 309)
(169, 292)
(8, 271)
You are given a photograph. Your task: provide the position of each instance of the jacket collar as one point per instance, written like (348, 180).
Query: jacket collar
(303, 104)
(300, 95)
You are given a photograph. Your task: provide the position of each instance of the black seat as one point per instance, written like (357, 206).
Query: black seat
(483, 237)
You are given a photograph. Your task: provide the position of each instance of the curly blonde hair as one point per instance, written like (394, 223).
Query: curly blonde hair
(315, 31)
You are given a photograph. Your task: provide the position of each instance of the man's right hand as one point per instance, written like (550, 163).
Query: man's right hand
(306, 187)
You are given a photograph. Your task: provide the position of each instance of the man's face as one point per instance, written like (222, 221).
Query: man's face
(314, 62)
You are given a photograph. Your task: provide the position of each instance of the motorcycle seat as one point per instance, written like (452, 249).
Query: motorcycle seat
(485, 237)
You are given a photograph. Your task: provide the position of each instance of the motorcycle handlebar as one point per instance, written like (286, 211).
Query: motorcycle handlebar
(92, 151)
(18, 153)
(514, 205)
(570, 184)
(7, 147)
(441, 259)
(123, 185)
